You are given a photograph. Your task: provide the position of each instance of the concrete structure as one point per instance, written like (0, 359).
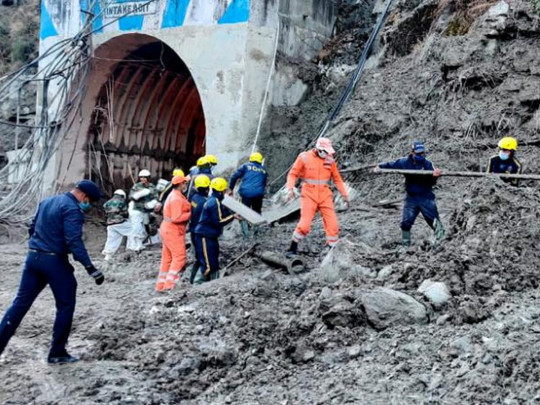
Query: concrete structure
(171, 80)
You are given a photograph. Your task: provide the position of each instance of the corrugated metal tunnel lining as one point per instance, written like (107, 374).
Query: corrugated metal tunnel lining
(148, 115)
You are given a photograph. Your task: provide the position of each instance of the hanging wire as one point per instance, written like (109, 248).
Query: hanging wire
(62, 71)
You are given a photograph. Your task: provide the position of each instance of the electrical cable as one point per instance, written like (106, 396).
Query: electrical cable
(352, 81)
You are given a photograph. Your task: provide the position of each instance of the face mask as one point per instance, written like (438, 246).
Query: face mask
(85, 206)
(322, 153)
(504, 155)
(419, 158)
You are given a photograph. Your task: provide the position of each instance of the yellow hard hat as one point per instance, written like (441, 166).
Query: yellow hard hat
(508, 143)
(177, 172)
(219, 184)
(203, 160)
(202, 180)
(211, 159)
(256, 157)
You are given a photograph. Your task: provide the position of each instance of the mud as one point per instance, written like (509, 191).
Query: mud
(262, 336)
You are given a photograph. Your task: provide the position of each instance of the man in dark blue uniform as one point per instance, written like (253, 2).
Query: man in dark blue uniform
(55, 232)
(419, 188)
(202, 184)
(214, 217)
(253, 178)
(506, 161)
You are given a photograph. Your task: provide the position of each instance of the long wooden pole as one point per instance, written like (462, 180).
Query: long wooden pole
(460, 174)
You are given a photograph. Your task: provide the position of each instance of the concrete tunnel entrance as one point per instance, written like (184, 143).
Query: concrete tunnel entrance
(148, 113)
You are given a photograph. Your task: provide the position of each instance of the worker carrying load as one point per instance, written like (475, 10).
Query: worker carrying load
(204, 166)
(118, 224)
(419, 189)
(176, 214)
(55, 232)
(316, 168)
(143, 200)
(202, 187)
(506, 161)
(253, 177)
(213, 218)
(164, 193)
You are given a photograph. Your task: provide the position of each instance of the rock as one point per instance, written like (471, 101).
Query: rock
(462, 345)
(303, 354)
(342, 263)
(436, 292)
(340, 311)
(385, 307)
(325, 293)
(385, 272)
(354, 351)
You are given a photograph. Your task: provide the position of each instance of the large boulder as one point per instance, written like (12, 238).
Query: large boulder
(341, 263)
(385, 307)
(436, 292)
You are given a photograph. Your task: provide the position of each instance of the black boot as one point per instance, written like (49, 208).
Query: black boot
(64, 359)
(292, 249)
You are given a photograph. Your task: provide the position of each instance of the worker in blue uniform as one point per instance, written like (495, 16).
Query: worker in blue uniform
(204, 166)
(202, 184)
(420, 196)
(214, 217)
(253, 177)
(506, 161)
(55, 232)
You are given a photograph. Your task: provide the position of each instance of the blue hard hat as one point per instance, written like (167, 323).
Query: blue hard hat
(90, 189)
(418, 147)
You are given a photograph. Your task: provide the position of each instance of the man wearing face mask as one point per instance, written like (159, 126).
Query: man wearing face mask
(420, 197)
(55, 232)
(316, 168)
(506, 161)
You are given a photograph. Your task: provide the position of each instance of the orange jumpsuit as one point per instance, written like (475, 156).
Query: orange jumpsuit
(176, 214)
(316, 194)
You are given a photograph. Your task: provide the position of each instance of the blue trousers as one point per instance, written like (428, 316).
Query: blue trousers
(208, 252)
(255, 203)
(39, 270)
(413, 206)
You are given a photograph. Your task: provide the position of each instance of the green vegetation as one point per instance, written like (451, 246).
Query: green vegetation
(19, 28)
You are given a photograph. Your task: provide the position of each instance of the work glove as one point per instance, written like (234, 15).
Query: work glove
(97, 275)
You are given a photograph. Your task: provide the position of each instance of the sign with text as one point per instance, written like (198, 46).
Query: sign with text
(131, 8)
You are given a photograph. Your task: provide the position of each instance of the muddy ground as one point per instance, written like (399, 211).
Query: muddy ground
(463, 78)
(261, 336)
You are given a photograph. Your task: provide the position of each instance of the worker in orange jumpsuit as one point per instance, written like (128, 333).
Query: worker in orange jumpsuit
(176, 214)
(316, 168)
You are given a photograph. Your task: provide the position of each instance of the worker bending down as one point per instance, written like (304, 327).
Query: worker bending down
(506, 161)
(214, 217)
(118, 224)
(202, 184)
(176, 214)
(419, 197)
(316, 168)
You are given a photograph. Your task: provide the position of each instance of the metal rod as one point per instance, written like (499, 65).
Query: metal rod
(293, 266)
(244, 253)
(461, 174)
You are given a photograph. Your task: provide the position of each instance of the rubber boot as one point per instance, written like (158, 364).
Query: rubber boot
(245, 228)
(406, 238)
(439, 232)
(293, 249)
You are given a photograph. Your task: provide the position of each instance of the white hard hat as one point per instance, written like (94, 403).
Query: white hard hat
(144, 173)
(120, 192)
